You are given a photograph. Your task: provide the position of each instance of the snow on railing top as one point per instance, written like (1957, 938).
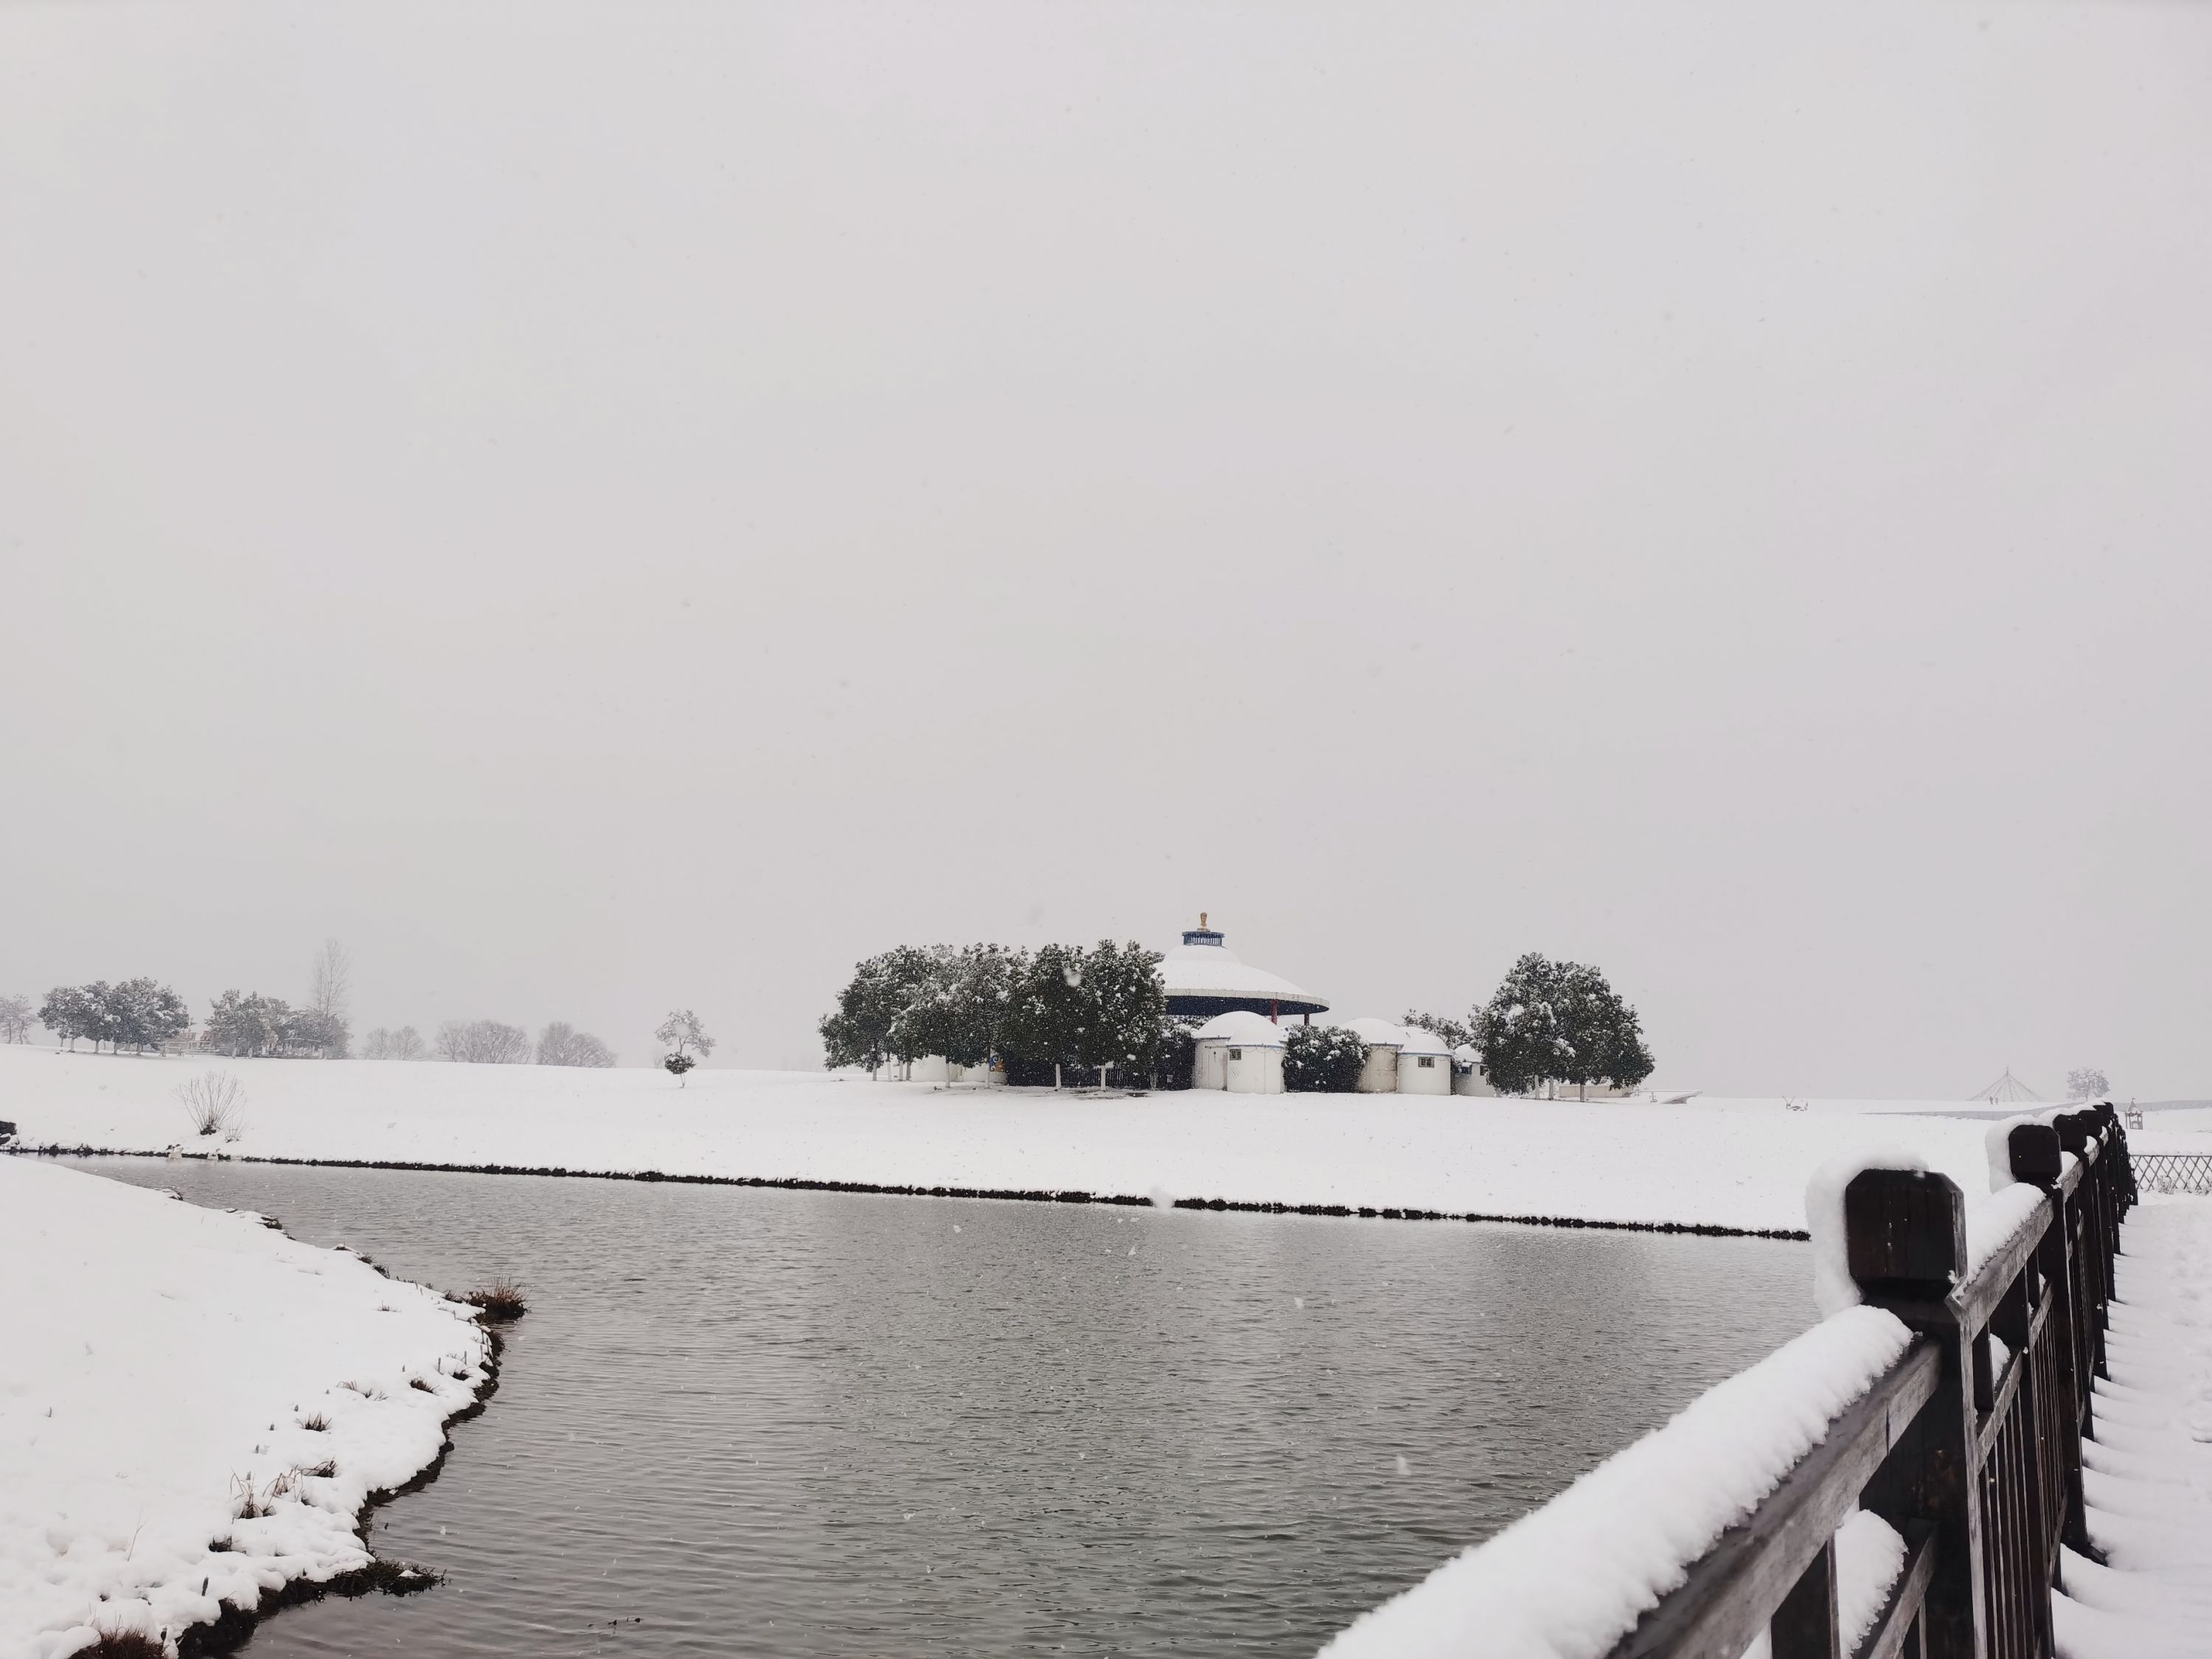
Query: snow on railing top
(1570, 1579)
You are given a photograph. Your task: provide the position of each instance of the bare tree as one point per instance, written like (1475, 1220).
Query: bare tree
(16, 1014)
(377, 1045)
(562, 1044)
(406, 1044)
(331, 984)
(483, 1042)
(329, 992)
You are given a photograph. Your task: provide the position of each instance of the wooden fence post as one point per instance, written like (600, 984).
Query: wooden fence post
(1906, 1234)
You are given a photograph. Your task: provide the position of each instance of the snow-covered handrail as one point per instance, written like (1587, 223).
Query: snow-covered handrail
(1897, 1480)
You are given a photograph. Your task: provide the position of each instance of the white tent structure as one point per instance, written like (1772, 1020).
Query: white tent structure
(1239, 1051)
(1204, 977)
(2006, 1090)
(1384, 1040)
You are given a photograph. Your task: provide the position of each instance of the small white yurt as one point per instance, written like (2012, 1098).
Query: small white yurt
(1466, 1073)
(1384, 1040)
(935, 1068)
(1239, 1051)
(1424, 1065)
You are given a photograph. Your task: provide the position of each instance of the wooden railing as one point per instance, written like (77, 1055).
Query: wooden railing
(1970, 1445)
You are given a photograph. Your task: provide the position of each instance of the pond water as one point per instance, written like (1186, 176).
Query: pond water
(748, 1421)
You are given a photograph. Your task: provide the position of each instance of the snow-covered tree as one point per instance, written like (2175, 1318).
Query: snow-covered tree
(1322, 1059)
(1102, 1007)
(15, 1017)
(686, 1039)
(866, 1028)
(71, 1013)
(143, 1014)
(1559, 1023)
(2086, 1082)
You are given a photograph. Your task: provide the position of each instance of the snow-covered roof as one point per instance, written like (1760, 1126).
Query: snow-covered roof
(1419, 1041)
(1372, 1031)
(1202, 966)
(1243, 1027)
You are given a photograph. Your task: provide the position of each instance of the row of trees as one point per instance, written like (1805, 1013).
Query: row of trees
(1059, 1007)
(137, 1013)
(1549, 1022)
(490, 1043)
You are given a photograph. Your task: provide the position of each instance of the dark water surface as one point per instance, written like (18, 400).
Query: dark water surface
(747, 1421)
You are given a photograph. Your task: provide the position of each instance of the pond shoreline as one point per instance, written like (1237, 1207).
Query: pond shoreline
(803, 1183)
(229, 1630)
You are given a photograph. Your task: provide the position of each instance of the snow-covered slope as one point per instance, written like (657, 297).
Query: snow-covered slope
(157, 1364)
(1736, 1164)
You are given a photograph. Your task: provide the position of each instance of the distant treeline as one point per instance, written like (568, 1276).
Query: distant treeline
(139, 1014)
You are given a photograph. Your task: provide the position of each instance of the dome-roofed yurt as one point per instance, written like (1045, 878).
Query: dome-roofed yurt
(1384, 1040)
(1239, 1051)
(1424, 1065)
(1204, 977)
(1466, 1073)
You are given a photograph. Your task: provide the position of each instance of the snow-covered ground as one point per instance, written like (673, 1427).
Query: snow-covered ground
(1728, 1163)
(2148, 1474)
(159, 1364)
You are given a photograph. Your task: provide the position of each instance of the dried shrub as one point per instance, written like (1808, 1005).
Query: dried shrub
(212, 1101)
(317, 1424)
(500, 1301)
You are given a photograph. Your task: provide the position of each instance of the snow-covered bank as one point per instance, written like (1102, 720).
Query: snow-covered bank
(2146, 1475)
(160, 1365)
(1732, 1165)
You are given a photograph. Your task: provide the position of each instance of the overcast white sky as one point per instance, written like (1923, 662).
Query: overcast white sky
(603, 507)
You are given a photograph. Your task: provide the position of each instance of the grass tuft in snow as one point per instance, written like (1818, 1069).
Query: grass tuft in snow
(500, 1301)
(122, 1644)
(255, 1502)
(317, 1424)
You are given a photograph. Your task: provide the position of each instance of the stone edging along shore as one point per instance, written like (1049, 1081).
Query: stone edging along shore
(802, 1183)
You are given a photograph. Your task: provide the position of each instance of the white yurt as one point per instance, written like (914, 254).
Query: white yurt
(1466, 1073)
(1239, 1051)
(1384, 1040)
(1424, 1065)
(935, 1068)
